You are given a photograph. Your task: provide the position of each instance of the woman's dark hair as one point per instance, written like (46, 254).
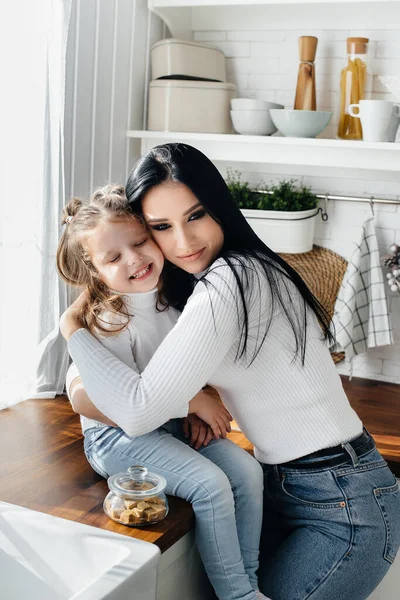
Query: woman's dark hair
(185, 164)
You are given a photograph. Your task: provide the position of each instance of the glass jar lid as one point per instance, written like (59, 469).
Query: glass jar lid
(357, 45)
(137, 482)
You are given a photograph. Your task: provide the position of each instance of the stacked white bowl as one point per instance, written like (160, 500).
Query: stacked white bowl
(252, 117)
(301, 123)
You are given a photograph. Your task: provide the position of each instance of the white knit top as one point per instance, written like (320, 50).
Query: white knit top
(285, 409)
(136, 343)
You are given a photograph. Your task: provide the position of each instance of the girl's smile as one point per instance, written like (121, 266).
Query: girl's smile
(145, 272)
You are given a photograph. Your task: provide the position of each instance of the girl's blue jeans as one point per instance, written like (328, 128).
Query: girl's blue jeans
(223, 483)
(328, 534)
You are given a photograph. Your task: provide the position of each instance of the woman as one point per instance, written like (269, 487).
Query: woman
(253, 330)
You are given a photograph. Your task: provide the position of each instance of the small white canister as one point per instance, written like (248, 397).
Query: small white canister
(193, 106)
(179, 59)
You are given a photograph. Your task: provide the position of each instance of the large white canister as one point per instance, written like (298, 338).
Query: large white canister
(195, 106)
(175, 58)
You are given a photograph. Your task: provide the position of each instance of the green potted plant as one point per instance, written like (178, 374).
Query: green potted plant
(283, 216)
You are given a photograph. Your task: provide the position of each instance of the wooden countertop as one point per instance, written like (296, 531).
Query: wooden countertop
(43, 466)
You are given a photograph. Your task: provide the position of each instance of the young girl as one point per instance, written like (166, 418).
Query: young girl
(253, 330)
(108, 251)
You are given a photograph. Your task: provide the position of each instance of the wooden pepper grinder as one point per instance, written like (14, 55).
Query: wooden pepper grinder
(305, 92)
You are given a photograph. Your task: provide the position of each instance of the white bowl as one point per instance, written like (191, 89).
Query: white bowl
(300, 123)
(253, 122)
(252, 104)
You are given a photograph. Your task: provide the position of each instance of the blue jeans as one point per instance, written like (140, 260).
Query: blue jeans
(223, 483)
(328, 534)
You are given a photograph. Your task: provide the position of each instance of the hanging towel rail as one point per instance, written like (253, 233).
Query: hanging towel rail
(370, 199)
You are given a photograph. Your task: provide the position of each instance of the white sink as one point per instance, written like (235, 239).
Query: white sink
(47, 558)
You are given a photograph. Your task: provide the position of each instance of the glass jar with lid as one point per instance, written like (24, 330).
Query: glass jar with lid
(136, 497)
(355, 85)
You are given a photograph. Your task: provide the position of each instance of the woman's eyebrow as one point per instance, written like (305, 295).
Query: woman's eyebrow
(160, 219)
(148, 221)
(191, 208)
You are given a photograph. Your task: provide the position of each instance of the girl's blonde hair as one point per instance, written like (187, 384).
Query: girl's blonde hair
(108, 204)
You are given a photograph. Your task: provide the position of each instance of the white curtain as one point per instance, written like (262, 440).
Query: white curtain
(33, 47)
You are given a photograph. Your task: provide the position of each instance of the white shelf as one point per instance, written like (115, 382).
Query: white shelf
(317, 152)
(182, 17)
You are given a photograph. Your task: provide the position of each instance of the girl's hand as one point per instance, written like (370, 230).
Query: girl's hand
(69, 321)
(213, 412)
(200, 433)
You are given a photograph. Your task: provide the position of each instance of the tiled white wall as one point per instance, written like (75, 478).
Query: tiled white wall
(264, 65)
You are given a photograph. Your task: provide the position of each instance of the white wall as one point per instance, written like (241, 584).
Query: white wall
(264, 64)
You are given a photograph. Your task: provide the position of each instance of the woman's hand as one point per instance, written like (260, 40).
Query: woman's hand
(199, 432)
(69, 321)
(213, 412)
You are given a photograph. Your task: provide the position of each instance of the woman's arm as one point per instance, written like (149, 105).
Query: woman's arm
(215, 413)
(187, 358)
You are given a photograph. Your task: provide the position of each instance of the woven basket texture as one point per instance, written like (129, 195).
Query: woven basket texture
(323, 271)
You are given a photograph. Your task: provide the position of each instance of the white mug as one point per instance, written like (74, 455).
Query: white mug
(375, 118)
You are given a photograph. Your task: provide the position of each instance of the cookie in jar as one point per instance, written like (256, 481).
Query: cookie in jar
(136, 497)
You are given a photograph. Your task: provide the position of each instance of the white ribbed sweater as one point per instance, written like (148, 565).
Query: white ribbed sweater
(285, 409)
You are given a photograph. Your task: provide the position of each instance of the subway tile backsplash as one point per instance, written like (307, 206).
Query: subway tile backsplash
(264, 64)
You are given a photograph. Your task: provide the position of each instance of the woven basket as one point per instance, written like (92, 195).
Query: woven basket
(323, 271)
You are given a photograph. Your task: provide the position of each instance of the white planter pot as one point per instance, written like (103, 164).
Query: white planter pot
(288, 232)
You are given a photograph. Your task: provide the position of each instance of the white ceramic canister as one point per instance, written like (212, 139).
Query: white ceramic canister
(194, 106)
(180, 59)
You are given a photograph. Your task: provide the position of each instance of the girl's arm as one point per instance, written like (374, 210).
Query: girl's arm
(82, 404)
(184, 362)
